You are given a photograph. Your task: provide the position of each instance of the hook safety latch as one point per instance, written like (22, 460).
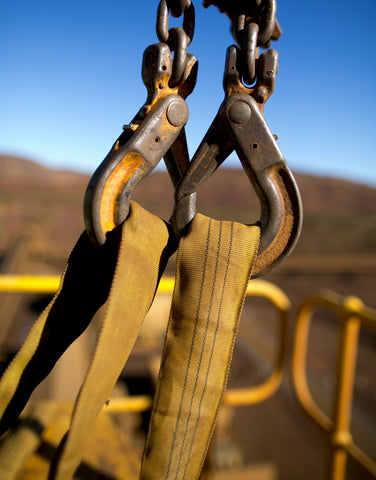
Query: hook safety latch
(240, 126)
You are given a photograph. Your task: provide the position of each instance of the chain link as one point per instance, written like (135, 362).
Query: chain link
(254, 25)
(250, 52)
(178, 43)
(264, 16)
(162, 21)
(177, 38)
(178, 7)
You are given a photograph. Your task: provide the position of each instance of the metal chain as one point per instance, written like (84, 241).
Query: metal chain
(177, 38)
(250, 52)
(177, 7)
(263, 14)
(253, 28)
(254, 25)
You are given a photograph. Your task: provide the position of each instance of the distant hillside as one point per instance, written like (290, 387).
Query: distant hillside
(339, 216)
(41, 202)
(21, 171)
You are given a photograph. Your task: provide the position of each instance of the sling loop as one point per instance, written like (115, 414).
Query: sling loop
(145, 247)
(90, 278)
(213, 268)
(214, 265)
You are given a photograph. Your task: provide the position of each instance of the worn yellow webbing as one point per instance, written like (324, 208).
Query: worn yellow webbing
(83, 289)
(214, 265)
(213, 268)
(145, 246)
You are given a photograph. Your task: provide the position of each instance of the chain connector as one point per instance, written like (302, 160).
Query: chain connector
(162, 21)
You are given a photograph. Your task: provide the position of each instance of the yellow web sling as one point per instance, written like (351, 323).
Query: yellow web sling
(83, 289)
(145, 238)
(213, 268)
(214, 263)
(89, 279)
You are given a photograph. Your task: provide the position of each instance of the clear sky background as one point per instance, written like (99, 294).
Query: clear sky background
(70, 78)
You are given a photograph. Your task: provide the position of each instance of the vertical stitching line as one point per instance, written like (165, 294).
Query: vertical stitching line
(213, 344)
(191, 348)
(202, 351)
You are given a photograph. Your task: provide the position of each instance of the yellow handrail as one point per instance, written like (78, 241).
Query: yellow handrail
(351, 314)
(29, 283)
(259, 393)
(240, 396)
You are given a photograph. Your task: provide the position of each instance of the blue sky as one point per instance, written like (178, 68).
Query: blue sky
(70, 78)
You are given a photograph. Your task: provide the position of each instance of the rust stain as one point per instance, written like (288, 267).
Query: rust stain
(120, 176)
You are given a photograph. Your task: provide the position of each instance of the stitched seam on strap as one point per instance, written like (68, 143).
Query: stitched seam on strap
(191, 349)
(212, 349)
(202, 352)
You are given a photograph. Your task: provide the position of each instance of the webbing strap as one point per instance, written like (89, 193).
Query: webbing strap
(83, 289)
(144, 250)
(18, 447)
(213, 268)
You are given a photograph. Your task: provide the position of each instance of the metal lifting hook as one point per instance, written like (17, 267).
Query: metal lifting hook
(240, 126)
(156, 131)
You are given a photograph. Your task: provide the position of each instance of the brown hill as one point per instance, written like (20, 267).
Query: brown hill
(40, 202)
(339, 216)
(22, 171)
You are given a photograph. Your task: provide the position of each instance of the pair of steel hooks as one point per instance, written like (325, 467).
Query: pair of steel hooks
(158, 131)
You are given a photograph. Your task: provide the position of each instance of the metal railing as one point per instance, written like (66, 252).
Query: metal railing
(259, 393)
(351, 314)
(240, 396)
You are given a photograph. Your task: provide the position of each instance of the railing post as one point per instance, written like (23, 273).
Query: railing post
(346, 368)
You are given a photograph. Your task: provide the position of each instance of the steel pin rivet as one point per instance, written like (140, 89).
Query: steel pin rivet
(177, 113)
(240, 112)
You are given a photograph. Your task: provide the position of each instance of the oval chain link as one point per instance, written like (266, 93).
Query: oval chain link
(250, 53)
(254, 26)
(178, 43)
(177, 38)
(178, 7)
(162, 21)
(268, 20)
